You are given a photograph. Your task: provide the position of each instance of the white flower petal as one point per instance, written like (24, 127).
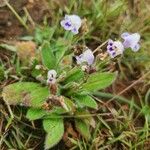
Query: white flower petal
(134, 39)
(110, 41)
(136, 48)
(76, 21)
(124, 35)
(119, 47)
(51, 74)
(131, 40)
(115, 49)
(88, 56)
(75, 31)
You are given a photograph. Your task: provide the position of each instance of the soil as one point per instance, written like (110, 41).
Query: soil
(10, 27)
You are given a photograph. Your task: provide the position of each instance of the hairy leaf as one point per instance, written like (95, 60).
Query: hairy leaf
(74, 75)
(25, 93)
(35, 113)
(61, 48)
(48, 57)
(55, 131)
(45, 33)
(85, 100)
(98, 81)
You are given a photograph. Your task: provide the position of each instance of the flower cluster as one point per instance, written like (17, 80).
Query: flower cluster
(73, 23)
(51, 77)
(116, 48)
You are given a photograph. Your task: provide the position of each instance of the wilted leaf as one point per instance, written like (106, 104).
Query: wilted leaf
(69, 134)
(55, 131)
(98, 81)
(48, 57)
(8, 47)
(25, 93)
(70, 105)
(26, 50)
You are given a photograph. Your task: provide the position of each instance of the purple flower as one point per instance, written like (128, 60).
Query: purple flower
(131, 41)
(71, 23)
(114, 48)
(51, 77)
(86, 57)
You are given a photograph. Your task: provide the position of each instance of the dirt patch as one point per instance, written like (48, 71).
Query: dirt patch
(10, 27)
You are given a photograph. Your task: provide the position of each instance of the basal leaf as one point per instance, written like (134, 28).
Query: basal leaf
(83, 128)
(25, 93)
(98, 81)
(48, 57)
(85, 100)
(55, 131)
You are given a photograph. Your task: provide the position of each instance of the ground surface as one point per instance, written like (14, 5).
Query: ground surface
(130, 126)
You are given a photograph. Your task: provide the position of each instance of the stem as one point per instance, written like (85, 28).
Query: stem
(16, 14)
(98, 48)
(129, 87)
(29, 16)
(78, 116)
(117, 97)
(9, 109)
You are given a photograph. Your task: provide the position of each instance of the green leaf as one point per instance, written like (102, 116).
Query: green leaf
(44, 33)
(55, 131)
(98, 81)
(2, 73)
(25, 93)
(85, 100)
(56, 111)
(48, 57)
(61, 47)
(35, 113)
(83, 128)
(74, 75)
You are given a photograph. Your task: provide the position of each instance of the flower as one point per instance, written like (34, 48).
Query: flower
(51, 76)
(115, 48)
(131, 41)
(71, 23)
(86, 56)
